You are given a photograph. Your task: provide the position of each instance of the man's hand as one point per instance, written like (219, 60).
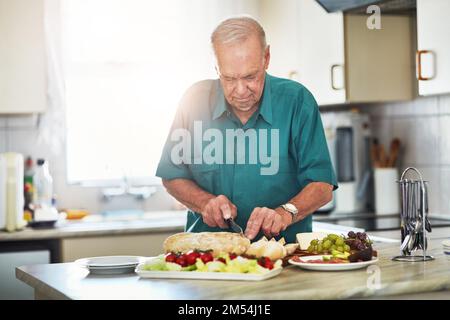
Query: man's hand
(270, 221)
(216, 210)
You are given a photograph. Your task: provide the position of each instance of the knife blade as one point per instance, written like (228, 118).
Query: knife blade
(234, 226)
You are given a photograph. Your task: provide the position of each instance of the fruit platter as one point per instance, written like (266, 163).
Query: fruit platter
(334, 252)
(225, 267)
(217, 256)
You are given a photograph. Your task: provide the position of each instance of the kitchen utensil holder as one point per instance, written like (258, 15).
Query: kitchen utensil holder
(414, 209)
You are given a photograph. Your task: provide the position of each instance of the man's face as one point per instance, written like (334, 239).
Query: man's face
(241, 69)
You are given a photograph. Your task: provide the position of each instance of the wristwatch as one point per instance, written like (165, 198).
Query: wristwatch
(289, 207)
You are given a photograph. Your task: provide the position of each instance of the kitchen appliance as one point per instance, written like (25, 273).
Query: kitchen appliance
(414, 218)
(11, 191)
(358, 6)
(348, 140)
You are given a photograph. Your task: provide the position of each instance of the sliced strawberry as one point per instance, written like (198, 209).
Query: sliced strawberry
(171, 257)
(265, 262)
(182, 261)
(222, 260)
(191, 257)
(206, 257)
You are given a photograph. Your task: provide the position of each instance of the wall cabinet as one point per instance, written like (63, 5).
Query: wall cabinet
(337, 57)
(379, 64)
(433, 54)
(280, 22)
(22, 57)
(321, 65)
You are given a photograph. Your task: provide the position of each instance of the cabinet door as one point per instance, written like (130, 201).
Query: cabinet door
(12, 288)
(321, 52)
(433, 34)
(146, 245)
(22, 56)
(379, 63)
(279, 20)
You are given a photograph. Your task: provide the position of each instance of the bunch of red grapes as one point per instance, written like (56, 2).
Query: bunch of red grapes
(358, 240)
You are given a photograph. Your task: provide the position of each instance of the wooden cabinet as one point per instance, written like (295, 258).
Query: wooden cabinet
(146, 245)
(337, 57)
(22, 57)
(379, 64)
(433, 44)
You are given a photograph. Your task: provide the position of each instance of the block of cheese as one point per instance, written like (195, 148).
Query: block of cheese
(304, 238)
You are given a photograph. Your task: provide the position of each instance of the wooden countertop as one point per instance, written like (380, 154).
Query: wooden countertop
(69, 281)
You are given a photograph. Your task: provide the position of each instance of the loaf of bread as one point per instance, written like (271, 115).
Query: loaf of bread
(218, 242)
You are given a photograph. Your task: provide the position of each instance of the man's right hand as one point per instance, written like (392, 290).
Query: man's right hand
(216, 210)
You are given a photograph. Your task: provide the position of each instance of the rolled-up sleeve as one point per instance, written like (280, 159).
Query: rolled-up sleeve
(314, 163)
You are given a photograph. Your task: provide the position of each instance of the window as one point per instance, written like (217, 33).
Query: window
(126, 66)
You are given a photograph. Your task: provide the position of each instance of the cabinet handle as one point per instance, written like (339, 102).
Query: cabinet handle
(419, 64)
(334, 66)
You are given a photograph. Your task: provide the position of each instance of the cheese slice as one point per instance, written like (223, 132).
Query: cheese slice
(304, 238)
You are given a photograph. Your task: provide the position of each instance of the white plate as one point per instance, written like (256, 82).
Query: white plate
(110, 264)
(110, 261)
(206, 275)
(331, 266)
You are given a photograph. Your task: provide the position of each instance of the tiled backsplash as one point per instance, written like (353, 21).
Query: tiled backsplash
(423, 126)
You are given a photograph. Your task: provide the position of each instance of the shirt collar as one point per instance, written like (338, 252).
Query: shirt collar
(220, 106)
(265, 108)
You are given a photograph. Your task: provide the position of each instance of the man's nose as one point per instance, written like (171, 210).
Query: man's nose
(241, 88)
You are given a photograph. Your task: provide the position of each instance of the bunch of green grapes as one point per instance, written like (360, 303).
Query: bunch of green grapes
(327, 245)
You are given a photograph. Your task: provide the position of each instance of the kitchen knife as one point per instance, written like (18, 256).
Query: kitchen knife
(234, 226)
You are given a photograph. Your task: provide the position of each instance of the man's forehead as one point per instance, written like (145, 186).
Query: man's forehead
(246, 54)
(239, 73)
(239, 65)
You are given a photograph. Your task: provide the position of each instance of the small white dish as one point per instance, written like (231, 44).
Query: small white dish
(330, 266)
(110, 264)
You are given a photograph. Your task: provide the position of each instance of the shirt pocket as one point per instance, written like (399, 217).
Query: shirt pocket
(280, 187)
(286, 165)
(207, 176)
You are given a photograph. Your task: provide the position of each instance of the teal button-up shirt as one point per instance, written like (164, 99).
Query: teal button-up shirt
(286, 129)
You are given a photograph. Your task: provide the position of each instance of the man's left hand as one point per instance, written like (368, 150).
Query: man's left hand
(270, 221)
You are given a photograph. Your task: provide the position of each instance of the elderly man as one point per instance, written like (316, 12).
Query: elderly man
(270, 168)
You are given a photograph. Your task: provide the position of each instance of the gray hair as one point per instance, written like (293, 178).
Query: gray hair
(237, 29)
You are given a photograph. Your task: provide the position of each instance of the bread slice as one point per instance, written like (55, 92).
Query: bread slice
(218, 242)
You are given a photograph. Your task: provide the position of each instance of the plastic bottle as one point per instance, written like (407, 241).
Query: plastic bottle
(43, 185)
(28, 210)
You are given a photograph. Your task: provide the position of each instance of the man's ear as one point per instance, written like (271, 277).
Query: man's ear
(267, 57)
